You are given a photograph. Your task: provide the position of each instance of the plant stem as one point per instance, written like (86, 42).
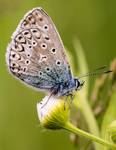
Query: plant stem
(81, 98)
(85, 108)
(70, 127)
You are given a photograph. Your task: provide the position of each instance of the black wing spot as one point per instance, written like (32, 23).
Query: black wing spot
(58, 63)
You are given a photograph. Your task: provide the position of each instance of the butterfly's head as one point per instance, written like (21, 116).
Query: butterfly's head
(79, 83)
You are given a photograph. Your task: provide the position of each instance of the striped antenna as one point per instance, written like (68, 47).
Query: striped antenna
(97, 71)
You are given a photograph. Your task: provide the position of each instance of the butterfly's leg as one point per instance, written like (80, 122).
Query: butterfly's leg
(71, 97)
(68, 101)
(47, 100)
(53, 92)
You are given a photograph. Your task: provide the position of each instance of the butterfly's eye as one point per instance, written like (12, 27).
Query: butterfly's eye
(58, 63)
(43, 45)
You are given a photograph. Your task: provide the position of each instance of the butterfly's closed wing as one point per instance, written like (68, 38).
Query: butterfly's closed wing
(36, 53)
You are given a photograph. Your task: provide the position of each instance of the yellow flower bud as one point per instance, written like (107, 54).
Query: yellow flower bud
(53, 113)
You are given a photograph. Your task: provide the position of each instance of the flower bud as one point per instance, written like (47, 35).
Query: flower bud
(53, 113)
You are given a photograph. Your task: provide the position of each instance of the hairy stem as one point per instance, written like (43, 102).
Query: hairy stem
(70, 127)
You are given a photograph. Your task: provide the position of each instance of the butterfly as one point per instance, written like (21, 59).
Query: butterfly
(37, 57)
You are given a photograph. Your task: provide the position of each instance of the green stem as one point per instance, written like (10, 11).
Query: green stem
(70, 127)
(81, 98)
(85, 108)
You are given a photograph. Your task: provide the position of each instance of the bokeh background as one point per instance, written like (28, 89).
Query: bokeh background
(93, 22)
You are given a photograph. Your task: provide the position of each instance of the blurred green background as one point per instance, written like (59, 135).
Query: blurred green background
(93, 22)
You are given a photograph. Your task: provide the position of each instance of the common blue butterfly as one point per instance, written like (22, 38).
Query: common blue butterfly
(36, 55)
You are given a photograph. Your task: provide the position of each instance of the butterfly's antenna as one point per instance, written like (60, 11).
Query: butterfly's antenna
(98, 71)
(100, 68)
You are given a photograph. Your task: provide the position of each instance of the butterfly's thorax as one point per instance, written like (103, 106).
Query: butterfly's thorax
(65, 88)
(68, 87)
